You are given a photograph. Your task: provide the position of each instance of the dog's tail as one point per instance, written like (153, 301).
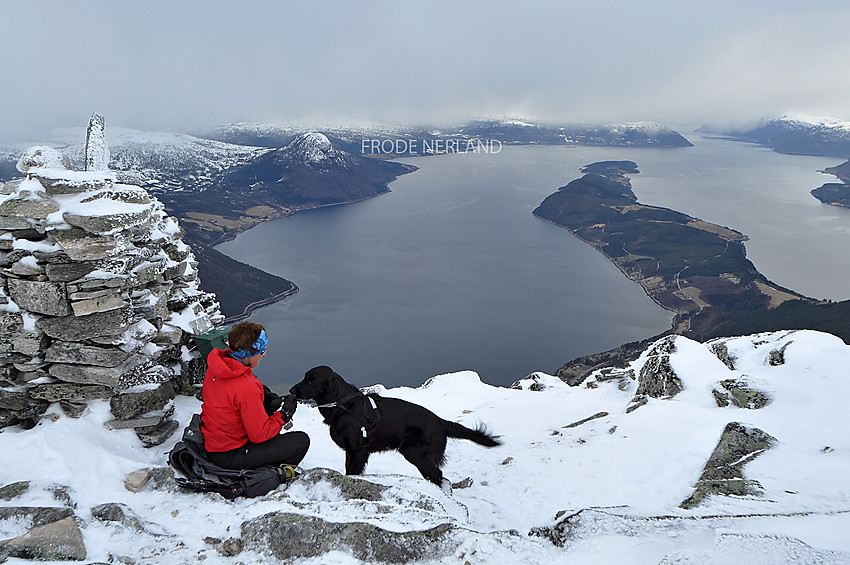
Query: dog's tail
(478, 435)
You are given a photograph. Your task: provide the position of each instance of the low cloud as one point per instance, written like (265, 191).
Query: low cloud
(192, 65)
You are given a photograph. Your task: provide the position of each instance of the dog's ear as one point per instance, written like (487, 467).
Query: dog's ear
(333, 384)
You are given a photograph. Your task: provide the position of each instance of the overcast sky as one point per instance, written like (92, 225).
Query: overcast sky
(180, 65)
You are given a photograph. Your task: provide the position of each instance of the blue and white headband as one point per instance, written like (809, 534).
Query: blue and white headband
(258, 346)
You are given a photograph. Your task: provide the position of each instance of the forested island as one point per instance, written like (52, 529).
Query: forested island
(695, 269)
(837, 194)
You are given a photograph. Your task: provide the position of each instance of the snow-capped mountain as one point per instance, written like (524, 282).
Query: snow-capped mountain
(155, 160)
(309, 171)
(510, 130)
(585, 474)
(346, 136)
(315, 150)
(795, 134)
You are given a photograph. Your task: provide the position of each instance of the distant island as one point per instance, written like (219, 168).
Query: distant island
(696, 269)
(836, 194)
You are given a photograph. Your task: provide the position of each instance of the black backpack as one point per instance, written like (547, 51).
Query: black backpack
(188, 458)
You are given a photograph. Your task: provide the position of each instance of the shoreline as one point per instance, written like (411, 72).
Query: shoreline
(623, 272)
(232, 234)
(723, 293)
(249, 309)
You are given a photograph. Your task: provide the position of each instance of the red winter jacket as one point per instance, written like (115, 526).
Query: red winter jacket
(233, 413)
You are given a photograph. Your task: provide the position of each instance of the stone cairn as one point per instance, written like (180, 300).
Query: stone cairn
(99, 296)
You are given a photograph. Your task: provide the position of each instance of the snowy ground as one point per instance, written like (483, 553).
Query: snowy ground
(633, 469)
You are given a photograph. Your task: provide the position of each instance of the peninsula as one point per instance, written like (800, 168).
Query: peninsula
(834, 193)
(696, 269)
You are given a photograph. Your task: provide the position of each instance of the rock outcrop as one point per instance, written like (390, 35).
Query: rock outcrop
(99, 295)
(657, 379)
(723, 472)
(286, 536)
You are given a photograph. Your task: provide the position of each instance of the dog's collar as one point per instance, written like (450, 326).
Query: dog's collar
(341, 402)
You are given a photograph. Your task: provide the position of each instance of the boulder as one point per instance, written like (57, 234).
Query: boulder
(740, 393)
(58, 541)
(231, 547)
(287, 537)
(168, 334)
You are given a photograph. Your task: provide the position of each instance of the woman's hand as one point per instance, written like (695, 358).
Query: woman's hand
(288, 407)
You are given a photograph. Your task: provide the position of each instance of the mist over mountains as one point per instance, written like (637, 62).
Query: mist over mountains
(794, 135)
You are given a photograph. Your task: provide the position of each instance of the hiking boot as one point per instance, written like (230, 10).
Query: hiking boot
(288, 472)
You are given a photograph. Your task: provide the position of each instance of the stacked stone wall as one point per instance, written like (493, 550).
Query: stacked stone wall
(99, 297)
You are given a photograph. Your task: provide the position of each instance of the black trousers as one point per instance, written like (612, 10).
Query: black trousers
(289, 448)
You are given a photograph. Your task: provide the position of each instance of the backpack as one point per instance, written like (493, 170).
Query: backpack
(188, 458)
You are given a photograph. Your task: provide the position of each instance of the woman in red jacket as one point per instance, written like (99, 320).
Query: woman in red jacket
(241, 419)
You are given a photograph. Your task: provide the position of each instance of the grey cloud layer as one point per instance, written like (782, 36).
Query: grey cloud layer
(194, 64)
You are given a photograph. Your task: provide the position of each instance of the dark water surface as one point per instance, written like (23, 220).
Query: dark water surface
(450, 271)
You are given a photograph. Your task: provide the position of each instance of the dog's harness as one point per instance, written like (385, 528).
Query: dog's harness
(371, 414)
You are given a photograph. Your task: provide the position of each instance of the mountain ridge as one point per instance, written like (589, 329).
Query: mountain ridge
(794, 135)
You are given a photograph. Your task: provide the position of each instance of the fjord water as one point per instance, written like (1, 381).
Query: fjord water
(450, 270)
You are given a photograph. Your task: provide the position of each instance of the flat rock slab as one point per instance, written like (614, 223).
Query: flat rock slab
(57, 541)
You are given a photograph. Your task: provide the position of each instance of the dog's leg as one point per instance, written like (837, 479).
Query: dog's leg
(428, 468)
(355, 461)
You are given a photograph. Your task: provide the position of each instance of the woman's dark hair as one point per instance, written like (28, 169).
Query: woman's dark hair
(243, 335)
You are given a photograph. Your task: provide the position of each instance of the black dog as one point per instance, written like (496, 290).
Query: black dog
(363, 424)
